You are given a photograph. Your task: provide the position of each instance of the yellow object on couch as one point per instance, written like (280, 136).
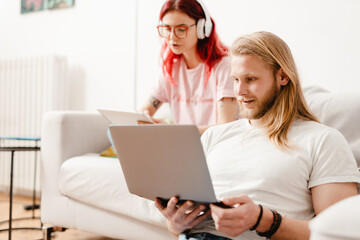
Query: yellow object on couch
(109, 152)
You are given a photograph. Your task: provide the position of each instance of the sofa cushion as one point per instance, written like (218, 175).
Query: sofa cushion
(337, 110)
(99, 182)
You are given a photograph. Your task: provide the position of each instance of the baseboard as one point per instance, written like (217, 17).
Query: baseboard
(20, 191)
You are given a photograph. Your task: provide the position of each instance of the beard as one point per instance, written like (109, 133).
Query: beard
(262, 106)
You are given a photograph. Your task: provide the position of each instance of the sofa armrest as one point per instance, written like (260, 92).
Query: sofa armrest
(66, 134)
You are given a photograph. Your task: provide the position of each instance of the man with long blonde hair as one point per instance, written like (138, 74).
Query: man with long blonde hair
(276, 168)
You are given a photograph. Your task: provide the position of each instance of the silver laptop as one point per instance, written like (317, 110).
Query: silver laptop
(163, 161)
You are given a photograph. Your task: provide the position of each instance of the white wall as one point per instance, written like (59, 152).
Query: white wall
(98, 38)
(95, 36)
(324, 35)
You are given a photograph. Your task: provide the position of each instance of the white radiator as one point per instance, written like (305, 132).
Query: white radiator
(29, 87)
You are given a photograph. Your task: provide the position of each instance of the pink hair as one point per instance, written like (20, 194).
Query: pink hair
(210, 49)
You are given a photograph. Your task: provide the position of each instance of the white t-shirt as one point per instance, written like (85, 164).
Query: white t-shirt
(242, 160)
(191, 102)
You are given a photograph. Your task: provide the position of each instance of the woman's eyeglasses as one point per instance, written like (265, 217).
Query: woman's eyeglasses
(179, 31)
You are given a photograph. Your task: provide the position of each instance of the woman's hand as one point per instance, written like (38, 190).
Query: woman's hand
(182, 217)
(155, 120)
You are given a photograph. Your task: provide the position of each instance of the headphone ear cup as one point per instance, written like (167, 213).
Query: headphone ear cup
(208, 28)
(200, 28)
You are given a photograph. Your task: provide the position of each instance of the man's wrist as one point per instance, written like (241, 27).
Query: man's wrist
(274, 226)
(258, 219)
(266, 221)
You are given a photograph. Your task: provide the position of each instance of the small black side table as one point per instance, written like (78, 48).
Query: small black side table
(35, 149)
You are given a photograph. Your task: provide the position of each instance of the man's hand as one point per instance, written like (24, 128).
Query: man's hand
(183, 217)
(236, 220)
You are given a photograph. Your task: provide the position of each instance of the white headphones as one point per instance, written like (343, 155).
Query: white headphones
(204, 25)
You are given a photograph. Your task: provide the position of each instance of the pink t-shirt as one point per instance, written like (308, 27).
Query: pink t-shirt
(190, 101)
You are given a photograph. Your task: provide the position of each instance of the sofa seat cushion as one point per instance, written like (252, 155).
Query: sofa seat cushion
(99, 182)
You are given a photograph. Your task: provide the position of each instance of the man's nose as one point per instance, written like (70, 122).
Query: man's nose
(240, 88)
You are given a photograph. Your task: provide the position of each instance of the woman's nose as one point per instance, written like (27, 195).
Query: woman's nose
(172, 34)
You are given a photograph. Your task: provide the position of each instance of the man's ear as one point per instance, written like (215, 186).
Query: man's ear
(284, 78)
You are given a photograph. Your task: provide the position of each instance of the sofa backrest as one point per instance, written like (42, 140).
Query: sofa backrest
(337, 110)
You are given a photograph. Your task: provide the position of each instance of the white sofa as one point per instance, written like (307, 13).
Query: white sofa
(82, 190)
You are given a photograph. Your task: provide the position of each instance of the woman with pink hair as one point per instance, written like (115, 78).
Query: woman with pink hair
(195, 78)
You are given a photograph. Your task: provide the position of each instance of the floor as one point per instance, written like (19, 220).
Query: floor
(19, 212)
